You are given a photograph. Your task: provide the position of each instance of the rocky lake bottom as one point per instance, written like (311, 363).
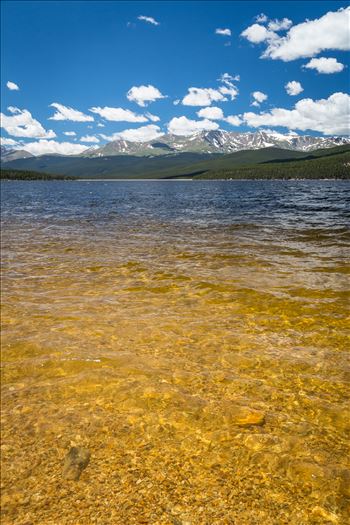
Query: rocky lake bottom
(191, 337)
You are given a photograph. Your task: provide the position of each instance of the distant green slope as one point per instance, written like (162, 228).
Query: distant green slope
(6, 174)
(116, 166)
(252, 157)
(331, 166)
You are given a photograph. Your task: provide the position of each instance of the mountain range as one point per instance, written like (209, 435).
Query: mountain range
(203, 142)
(173, 156)
(219, 141)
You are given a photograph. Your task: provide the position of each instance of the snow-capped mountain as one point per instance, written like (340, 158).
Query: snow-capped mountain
(216, 142)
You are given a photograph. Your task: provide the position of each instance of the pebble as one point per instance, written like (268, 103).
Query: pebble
(75, 462)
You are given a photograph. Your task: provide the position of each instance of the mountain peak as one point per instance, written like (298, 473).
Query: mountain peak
(8, 154)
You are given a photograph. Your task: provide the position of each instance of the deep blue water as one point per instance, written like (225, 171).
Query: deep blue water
(320, 205)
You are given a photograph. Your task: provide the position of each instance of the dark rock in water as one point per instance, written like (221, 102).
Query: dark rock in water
(345, 483)
(75, 462)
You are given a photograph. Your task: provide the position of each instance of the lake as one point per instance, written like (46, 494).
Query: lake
(192, 335)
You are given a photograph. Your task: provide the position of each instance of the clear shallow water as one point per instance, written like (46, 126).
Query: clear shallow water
(193, 335)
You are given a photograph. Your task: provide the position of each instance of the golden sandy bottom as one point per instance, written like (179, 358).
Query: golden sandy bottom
(207, 379)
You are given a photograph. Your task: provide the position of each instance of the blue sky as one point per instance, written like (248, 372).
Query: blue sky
(86, 54)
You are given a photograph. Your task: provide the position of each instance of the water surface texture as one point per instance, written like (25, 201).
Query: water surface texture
(192, 336)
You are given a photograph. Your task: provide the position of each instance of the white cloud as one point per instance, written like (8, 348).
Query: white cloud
(293, 88)
(22, 124)
(258, 97)
(202, 97)
(143, 95)
(149, 20)
(153, 118)
(211, 113)
(232, 91)
(118, 114)
(257, 33)
(90, 138)
(176, 102)
(69, 133)
(234, 120)
(114, 136)
(8, 142)
(100, 125)
(309, 38)
(329, 116)
(224, 32)
(66, 113)
(261, 18)
(142, 134)
(280, 25)
(226, 78)
(43, 147)
(184, 126)
(12, 86)
(325, 65)
(228, 88)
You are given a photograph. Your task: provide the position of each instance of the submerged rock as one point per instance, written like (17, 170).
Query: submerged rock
(75, 462)
(345, 483)
(244, 416)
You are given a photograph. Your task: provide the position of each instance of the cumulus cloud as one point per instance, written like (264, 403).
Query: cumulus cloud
(280, 25)
(43, 147)
(114, 136)
(257, 33)
(8, 142)
(226, 78)
(325, 65)
(230, 91)
(211, 113)
(90, 138)
(184, 126)
(307, 39)
(118, 114)
(153, 118)
(205, 96)
(69, 133)
(234, 120)
(143, 95)
(328, 116)
(261, 18)
(224, 32)
(12, 86)
(229, 88)
(142, 134)
(273, 25)
(293, 88)
(66, 113)
(100, 125)
(202, 96)
(21, 124)
(149, 20)
(258, 97)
